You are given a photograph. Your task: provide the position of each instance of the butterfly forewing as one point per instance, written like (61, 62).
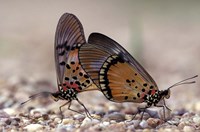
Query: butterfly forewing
(69, 32)
(69, 37)
(117, 73)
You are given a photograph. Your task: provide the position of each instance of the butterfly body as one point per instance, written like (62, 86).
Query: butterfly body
(69, 94)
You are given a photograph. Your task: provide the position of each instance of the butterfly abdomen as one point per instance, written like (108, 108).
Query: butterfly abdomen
(153, 97)
(68, 94)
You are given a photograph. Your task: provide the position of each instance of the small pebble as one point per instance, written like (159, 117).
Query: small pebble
(37, 115)
(33, 127)
(95, 116)
(154, 122)
(26, 121)
(135, 123)
(118, 127)
(79, 117)
(39, 111)
(112, 108)
(197, 106)
(88, 121)
(3, 114)
(180, 112)
(68, 127)
(129, 117)
(188, 129)
(196, 120)
(113, 121)
(104, 124)
(52, 125)
(10, 111)
(17, 119)
(14, 123)
(175, 121)
(61, 130)
(181, 125)
(57, 120)
(115, 116)
(100, 113)
(152, 113)
(67, 121)
(146, 130)
(131, 128)
(8, 121)
(45, 116)
(144, 124)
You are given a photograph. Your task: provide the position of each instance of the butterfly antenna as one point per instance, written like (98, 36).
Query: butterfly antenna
(36, 95)
(184, 82)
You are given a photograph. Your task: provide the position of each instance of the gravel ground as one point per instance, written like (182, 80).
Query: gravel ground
(42, 113)
(162, 36)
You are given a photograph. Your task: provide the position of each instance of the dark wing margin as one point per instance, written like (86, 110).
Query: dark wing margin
(102, 47)
(69, 33)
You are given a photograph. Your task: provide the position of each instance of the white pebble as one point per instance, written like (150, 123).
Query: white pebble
(33, 127)
(196, 120)
(38, 110)
(104, 124)
(197, 106)
(188, 129)
(67, 121)
(143, 124)
(112, 108)
(79, 116)
(9, 111)
(88, 121)
(57, 120)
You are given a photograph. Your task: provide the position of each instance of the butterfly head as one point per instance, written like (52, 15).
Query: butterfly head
(165, 93)
(56, 96)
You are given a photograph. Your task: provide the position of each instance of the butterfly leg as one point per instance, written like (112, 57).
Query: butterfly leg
(86, 110)
(139, 111)
(142, 110)
(73, 110)
(61, 108)
(69, 102)
(166, 106)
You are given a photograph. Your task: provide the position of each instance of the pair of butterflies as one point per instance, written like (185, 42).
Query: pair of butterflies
(99, 64)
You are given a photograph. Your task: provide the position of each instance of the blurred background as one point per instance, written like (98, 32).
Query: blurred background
(164, 36)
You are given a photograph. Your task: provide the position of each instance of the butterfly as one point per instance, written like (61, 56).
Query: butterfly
(119, 76)
(71, 78)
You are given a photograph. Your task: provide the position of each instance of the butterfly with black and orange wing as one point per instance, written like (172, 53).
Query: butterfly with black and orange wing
(119, 76)
(71, 78)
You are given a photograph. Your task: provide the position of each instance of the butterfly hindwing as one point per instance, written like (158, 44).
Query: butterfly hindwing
(120, 82)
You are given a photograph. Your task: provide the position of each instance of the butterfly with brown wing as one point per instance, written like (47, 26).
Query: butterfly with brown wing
(119, 76)
(71, 78)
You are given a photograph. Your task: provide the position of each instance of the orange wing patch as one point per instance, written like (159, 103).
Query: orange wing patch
(75, 77)
(120, 82)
